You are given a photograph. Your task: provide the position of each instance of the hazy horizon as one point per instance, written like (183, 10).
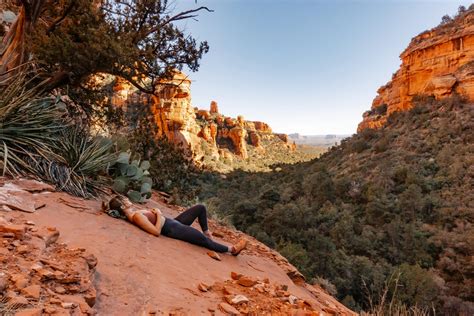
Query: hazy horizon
(308, 67)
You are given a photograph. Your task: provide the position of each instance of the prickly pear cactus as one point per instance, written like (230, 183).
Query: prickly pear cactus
(132, 178)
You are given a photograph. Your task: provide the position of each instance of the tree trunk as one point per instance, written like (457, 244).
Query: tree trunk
(13, 54)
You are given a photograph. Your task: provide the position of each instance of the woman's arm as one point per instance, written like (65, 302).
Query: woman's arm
(142, 221)
(158, 215)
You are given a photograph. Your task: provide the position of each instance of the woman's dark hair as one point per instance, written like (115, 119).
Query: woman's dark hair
(116, 203)
(115, 207)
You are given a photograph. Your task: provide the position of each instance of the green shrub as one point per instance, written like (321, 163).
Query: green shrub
(359, 146)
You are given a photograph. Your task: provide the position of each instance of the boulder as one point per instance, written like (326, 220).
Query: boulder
(51, 238)
(203, 287)
(3, 282)
(16, 198)
(20, 280)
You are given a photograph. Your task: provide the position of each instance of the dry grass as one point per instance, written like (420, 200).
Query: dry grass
(389, 305)
(7, 309)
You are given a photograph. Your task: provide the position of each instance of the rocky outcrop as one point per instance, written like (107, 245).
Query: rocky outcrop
(173, 114)
(238, 135)
(262, 127)
(255, 139)
(214, 107)
(438, 63)
(204, 133)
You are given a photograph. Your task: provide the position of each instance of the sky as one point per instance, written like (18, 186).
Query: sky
(303, 66)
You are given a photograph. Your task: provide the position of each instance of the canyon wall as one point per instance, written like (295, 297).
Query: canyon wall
(438, 63)
(203, 133)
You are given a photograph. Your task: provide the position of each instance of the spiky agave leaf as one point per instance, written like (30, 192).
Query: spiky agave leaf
(86, 157)
(37, 138)
(28, 125)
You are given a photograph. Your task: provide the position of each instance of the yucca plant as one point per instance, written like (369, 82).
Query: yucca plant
(86, 157)
(37, 137)
(28, 125)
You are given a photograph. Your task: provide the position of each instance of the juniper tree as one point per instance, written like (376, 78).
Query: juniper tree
(71, 40)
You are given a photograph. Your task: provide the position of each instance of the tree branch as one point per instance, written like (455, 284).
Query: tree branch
(136, 84)
(180, 16)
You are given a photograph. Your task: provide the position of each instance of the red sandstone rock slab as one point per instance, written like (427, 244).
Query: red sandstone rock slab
(17, 199)
(33, 185)
(228, 309)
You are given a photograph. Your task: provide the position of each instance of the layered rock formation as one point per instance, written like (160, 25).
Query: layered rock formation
(438, 62)
(204, 133)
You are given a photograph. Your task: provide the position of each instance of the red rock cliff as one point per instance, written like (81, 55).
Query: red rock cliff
(438, 62)
(203, 133)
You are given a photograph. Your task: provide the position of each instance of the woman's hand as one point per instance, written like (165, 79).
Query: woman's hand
(144, 223)
(157, 211)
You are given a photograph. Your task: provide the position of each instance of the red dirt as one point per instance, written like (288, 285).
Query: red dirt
(138, 273)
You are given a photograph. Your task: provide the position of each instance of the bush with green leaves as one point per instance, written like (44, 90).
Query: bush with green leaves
(132, 178)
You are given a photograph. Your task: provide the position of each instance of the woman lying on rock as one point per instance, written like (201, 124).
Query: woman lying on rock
(155, 223)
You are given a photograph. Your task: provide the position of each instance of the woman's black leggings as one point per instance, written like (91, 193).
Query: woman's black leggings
(179, 228)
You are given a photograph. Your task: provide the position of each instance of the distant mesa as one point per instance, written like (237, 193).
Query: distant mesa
(437, 63)
(327, 140)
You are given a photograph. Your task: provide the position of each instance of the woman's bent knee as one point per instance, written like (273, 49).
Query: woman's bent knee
(201, 208)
